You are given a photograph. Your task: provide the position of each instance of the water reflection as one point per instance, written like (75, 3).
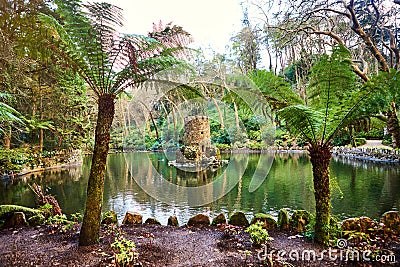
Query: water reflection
(368, 189)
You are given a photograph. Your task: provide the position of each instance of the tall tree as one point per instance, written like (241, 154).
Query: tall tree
(368, 29)
(334, 100)
(110, 62)
(31, 74)
(246, 45)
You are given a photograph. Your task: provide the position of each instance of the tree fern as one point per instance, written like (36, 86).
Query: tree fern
(304, 121)
(109, 62)
(7, 113)
(276, 90)
(334, 100)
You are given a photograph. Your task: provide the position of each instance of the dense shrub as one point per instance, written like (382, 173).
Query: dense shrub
(360, 141)
(15, 159)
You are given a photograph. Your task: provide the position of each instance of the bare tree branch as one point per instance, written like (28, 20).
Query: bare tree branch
(356, 27)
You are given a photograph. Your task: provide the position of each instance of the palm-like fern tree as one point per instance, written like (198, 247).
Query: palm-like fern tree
(7, 114)
(109, 62)
(334, 100)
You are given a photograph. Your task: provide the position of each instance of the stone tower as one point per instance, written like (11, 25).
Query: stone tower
(197, 132)
(196, 142)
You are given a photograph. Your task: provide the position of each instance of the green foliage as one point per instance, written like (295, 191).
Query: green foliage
(387, 140)
(246, 47)
(335, 189)
(371, 134)
(229, 229)
(31, 73)
(334, 229)
(15, 159)
(7, 210)
(342, 138)
(223, 147)
(110, 217)
(125, 253)
(63, 225)
(47, 210)
(8, 114)
(258, 234)
(276, 90)
(334, 99)
(268, 221)
(360, 141)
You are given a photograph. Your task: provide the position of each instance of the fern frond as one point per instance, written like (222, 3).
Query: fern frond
(304, 121)
(276, 90)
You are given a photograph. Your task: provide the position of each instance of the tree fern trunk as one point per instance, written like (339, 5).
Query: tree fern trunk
(320, 157)
(393, 125)
(89, 234)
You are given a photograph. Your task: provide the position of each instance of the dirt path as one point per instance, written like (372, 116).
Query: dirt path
(375, 143)
(171, 246)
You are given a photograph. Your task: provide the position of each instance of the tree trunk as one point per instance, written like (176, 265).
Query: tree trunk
(320, 156)
(221, 117)
(237, 121)
(7, 138)
(41, 137)
(90, 230)
(393, 126)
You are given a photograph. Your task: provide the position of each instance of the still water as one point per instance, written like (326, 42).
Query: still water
(358, 188)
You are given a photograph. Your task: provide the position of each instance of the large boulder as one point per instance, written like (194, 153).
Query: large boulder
(238, 219)
(173, 221)
(360, 225)
(391, 221)
(152, 221)
(283, 220)
(36, 220)
(268, 221)
(299, 220)
(199, 220)
(220, 219)
(132, 218)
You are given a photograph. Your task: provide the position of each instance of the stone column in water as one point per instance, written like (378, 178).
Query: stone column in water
(197, 141)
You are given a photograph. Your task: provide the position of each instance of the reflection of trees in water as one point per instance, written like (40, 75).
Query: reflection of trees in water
(369, 189)
(195, 178)
(68, 185)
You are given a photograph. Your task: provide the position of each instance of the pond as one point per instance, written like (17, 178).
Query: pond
(358, 188)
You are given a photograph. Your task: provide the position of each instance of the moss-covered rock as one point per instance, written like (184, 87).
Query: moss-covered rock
(268, 221)
(132, 218)
(238, 219)
(283, 220)
(198, 220)
(192, 152)
(37, 220)
(6, 211)
(391, 220)
(17, 219)
(173, 221)
(299, 220)
(152, 221)
(220, 219)
(361, 225)
(110, 217)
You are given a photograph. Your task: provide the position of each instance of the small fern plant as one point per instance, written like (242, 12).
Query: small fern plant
(258, 234)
